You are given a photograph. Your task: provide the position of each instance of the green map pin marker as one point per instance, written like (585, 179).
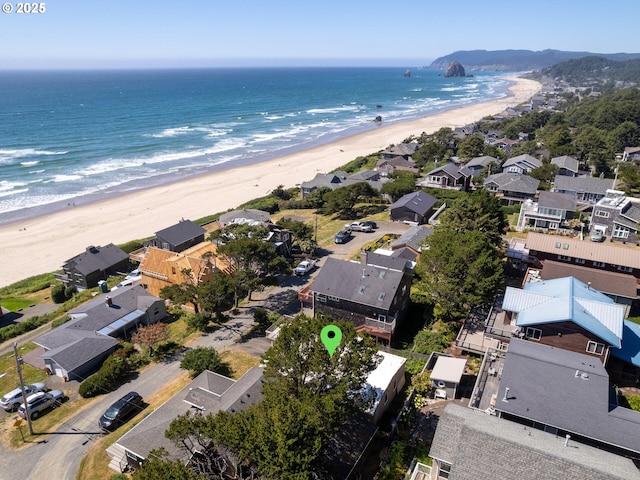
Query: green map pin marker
(331, 337)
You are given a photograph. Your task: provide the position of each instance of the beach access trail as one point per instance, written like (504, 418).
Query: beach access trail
(43, 244)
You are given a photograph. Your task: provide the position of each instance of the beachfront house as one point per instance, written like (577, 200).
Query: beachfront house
(385, 166)
(447, 176)
(249, 216)
(404, 150)
(94, 264)
(178, 237)
(77, 348)
(586, 190)
(414, 207)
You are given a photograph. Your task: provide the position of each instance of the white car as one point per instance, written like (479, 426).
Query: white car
(359, 227)
(304, 267)
(11, 400)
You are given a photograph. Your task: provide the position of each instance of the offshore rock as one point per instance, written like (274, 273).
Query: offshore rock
(455, 70)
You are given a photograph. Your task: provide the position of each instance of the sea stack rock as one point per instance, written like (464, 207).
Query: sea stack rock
(455, 70)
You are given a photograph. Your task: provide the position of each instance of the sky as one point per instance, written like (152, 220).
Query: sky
(203, 33)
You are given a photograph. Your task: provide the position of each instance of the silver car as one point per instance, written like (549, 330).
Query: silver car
(39, 402)
(11, 400)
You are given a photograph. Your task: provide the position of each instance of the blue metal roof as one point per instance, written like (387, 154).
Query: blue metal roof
(630, 351)
(564, 299)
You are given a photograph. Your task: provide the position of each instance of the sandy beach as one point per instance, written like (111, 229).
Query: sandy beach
(42, 244)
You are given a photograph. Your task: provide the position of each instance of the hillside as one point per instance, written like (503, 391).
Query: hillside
(590, 69)
(518, 60)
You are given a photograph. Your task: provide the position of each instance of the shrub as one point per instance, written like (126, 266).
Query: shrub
(69, 292)
(199, 359)
(199, 321)
(58, 294)
(113, 370)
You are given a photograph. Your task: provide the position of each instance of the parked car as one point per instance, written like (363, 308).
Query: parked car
(359, 227)
(134, 275)
(39, 402)
(596, 236)
(13, 399)
(371, 223)
(304, 267)
(342, 236)
(120, 411)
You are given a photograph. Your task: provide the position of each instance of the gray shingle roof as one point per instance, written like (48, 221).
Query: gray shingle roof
(248, 214)
(480, 446)
(412, 238)
(560, 201)
(514, 182)
(364, 284)
(598, 186)
(566, 162)
(452, 170)
(181, 232)
(419, 202)
(78, 353)
(566, 390)
(149, 433)
(98, 258)
(482, 161)
(525, 160)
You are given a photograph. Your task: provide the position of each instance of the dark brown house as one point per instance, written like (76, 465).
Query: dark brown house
(179, 237)
(94, 264)
(413, 207)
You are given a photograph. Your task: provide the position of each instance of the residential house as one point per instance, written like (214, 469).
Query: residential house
(551, 212)
(404, 150)
(512, 188)
(631, 154)
(566, 393)
(568, 166)
(478, 163)
(178, 237)
(565, 313)
(246, 215)
(412, 239)
(76, 348)
(521, 164)
(447, 176)
(94, 264)
(329, 180)
(375, 298)
(469, 444)
(617, 215)
(504, 144)
(414, 207)
(624, 364)
(385, 166)
(163, 268)
(587, 190)
(208, 393)
(599, 256)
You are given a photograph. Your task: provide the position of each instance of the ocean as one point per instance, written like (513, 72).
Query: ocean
(72, 137)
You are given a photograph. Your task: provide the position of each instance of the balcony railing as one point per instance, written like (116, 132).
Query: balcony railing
(388, 327)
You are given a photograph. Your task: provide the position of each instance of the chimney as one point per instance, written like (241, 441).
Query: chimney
(108, 301)
(566, 440)
(506, 395)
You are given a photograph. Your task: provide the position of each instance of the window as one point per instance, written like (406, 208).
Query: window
(382, 318)
(620, 232)
(558, 244)
(564, 257)
(534, 333)
(595, 347)
(601, 213)
(321, 298)
(580, 261)
(333, 299)
(444, 470)
(599, 264)
(622, 268)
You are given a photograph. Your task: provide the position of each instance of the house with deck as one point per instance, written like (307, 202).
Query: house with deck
(385, 166)
(551, 211)
(448, 176)
(404, 150)
(96, 263)
(373, 293)
(617, 215)
(512, 188)
(476, 164)
(631, 154)
(586, 190)
(178, 237)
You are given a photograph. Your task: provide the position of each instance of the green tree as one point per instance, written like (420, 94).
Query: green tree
(300, 230)
(343, 200)
(479, 211)
(197, 360)
(627, 134)
(472, 146)
(158, 467)
(216, 295)
(184, 292)
(546, 174)
(403, 183)
(429, 152)
(458, 270)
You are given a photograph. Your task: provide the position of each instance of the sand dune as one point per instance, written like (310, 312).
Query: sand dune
(42, 244)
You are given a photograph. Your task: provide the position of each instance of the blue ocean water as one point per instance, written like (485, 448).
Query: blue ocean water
(70, 136)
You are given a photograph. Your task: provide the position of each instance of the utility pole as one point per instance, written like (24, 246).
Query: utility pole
(24, 394)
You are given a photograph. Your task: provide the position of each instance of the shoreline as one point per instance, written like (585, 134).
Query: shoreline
(41, 242)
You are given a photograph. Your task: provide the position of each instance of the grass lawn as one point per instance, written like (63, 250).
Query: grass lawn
(239, 361)
(8, 367)
(628, 400)
(14, 304)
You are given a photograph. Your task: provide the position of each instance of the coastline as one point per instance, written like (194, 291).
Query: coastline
(41, 243)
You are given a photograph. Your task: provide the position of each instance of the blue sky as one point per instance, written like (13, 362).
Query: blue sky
(163, 33)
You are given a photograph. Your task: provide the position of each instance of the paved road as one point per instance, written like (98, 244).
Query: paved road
(59, 455)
